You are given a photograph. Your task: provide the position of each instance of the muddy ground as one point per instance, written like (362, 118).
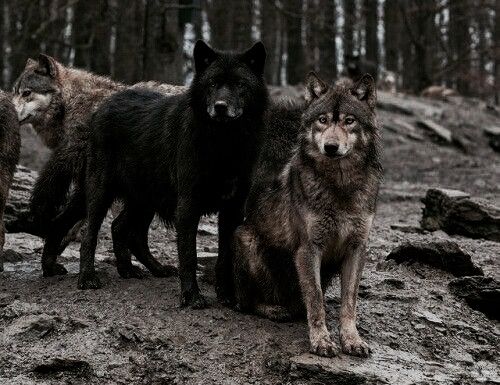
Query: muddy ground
(133, 332)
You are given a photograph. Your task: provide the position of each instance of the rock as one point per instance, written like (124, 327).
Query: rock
(392, 106)
(402, 127)
(12, 256)
(437, 132)
(456, 213)
(445, 255)
(66, 365)
(493, 134)
(405, 228)
(18, 309)
(430, 317)
(17, 218)
(480, 293)
(207, 229)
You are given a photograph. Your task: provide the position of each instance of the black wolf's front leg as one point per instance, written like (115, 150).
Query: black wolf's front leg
(308, 264)
(187, 219)
(352, 268)
(230, 217)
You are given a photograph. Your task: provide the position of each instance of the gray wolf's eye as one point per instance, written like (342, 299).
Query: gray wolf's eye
(26, 93)
(322, 119)
(349, 120)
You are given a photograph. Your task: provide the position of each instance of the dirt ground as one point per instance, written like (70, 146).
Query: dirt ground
(133, 332)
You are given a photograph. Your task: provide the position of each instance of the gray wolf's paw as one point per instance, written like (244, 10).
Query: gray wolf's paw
(322, 345)
(353, 345)
(54, 269)
(165, 271)
(130, 272)
(88, 281)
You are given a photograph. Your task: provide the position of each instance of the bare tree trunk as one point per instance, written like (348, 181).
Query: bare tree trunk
(496, 52)
(82, 33)
(271, 36)
(163, 43)
(327, 33)
(295, 62)
(392, 26)
(129, 39)
(101, 39)
(349, 26)
(230, 24)
(25, 19)
(460, 43)
(371, 39)
(2, 42)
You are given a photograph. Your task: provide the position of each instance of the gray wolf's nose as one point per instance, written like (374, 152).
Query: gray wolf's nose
(331, 149)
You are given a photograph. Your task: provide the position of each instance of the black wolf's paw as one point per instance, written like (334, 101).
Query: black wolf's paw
(54, 269)
(130, 272)
(194, 300)
(225, 296)
(165, 271)
(324, 346)
(88, 281)
(274, 312)
(354, 345)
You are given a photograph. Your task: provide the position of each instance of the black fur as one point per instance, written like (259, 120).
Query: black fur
(180, 157)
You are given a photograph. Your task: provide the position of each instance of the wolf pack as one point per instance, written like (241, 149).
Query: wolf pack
(294, 183)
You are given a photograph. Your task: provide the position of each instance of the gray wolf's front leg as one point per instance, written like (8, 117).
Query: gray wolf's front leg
(352, 268)
(307, 262)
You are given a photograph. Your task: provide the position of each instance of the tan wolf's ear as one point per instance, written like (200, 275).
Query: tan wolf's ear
(315, 87)
(365, 90)
(47, 65)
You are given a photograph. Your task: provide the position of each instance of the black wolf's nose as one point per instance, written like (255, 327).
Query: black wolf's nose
(331, 149)
(220, 107)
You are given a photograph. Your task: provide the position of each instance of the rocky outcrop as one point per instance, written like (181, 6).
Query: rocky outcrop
(455, 212)
(444, 255)
(17, 218)
(493, 135)
(480, 293)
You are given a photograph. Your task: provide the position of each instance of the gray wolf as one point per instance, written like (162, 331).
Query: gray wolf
(9, 156)
(310, 210)
(180, 157)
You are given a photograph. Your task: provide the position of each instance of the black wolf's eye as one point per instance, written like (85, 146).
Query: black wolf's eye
(322, 119)
(26, 93)
(349, 120)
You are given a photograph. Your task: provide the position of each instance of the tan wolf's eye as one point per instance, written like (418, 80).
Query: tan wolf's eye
(322, 119)
(26, 93)
(349, 120)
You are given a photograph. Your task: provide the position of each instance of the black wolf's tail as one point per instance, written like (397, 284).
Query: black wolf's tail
(66, 165)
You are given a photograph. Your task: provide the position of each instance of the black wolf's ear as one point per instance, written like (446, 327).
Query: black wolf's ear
(255, 58)
(203, 56)
(365, 90)
(315, 87)
(47, 65)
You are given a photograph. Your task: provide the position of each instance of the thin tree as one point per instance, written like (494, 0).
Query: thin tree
(327, 35)
(295, 50)
(370, 13)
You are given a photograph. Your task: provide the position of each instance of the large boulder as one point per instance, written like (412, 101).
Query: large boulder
(17, 214)
(480, 293)
(455, 212)
(444, 255)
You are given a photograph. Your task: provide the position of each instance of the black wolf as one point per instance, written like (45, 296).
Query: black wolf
(180, 157)
(9, 156)
(310, 210)
(58, 102)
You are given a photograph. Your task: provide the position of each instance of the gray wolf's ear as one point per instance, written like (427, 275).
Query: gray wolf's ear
(315, 87)
(47, 65)
(365, 90)
(203, 56)
(30, 63)
(255, 58)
